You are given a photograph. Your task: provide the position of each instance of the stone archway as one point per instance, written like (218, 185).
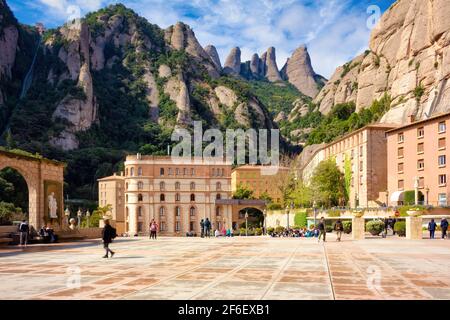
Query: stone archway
(42, 176)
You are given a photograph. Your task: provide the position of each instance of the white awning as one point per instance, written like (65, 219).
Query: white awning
(397, 196)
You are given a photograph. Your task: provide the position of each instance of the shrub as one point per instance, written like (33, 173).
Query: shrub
(347, 227)
(270, 230)
(403, 210)
(300, 219)
(409, 197)
(375, 227)
(400, 228)
(258, 231)
(280, 229)
(334, 213)
(274, 206)
(329, 228)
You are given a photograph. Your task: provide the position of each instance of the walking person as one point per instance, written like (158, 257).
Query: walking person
(386, 226)
(24, 228)
(444, 227)
(207, 228)
(432, 228)
(153, 229)
(202, 228)
(339, 228)
(322, 230)
(108, 234)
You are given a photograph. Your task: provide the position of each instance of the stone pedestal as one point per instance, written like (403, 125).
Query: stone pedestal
(358, 227)
(414, 228)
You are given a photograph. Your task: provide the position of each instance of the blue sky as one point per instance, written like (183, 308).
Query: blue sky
(335, 31)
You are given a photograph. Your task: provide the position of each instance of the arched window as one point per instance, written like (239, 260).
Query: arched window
(177, 197)
(132, 172)
(192, 185)
(140, 185)
(139, 211)
(177, 211)
(162, 186)
(140, 197)
(161, 171)
(126, 198)
(139, 171)
(126, 186)
(162, 197)
(192, 197)
(218, 186)
(162, 212)
(177, 185)
(217, 211)
(192, 211)
(218, 196)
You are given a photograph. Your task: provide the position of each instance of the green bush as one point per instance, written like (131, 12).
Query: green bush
(375, 227)
(404, 210)
(329, 228)
(270, 230)
(258, 231)
(274, 206)
(300, 219)
(400, 228)
(334, 213)
(409, 197)
(280, 229)
(347, 227)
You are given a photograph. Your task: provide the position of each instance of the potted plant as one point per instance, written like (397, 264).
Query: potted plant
(375, 227)
(400, 228)
(347, 227)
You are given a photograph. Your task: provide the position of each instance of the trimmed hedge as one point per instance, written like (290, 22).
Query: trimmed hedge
(400, 228)
(375, 227)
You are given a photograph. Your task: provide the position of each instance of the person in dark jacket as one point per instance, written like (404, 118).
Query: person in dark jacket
(108, 234)
(202, 228)
(322, 230)
(23, 230)
(339, 228)
(432, 228)
(444, 227)
(207, 228)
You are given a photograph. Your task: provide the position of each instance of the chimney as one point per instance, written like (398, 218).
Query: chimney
(412, 118)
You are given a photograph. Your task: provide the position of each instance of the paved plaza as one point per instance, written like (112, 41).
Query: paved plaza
(236, 268)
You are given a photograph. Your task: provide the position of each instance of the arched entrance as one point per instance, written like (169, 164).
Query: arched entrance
(255, 218)
(14, 196)
(44, 179)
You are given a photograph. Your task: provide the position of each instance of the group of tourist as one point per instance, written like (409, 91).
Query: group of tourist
(46, 233)
(432, 226)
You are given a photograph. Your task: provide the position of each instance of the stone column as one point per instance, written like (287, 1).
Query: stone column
(358, 228)
(133, 220)
(414, 228)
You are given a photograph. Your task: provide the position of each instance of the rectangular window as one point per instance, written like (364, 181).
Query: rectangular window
(400, 152)
(361, 166)
(400, 167)
(421, 182)
(442, 179)
(361, 150)
(177, 226)
(442, 198)
(401, 137)
(442, 161)
(420, 132)
(442, 143)
(401, 184)
(420, 164)
(420, 147)
(442, 127)
(140, 227)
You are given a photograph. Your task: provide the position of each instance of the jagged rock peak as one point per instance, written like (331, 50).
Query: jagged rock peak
(255, 64)
(298, 71)
(233, 62)
(270, 66)
(212, 52)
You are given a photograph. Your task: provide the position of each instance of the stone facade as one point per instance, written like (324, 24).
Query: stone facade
(418, 154)
(36, 171)
(177, 194)
(111, 192)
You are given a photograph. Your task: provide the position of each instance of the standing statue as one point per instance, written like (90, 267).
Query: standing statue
(52, 206)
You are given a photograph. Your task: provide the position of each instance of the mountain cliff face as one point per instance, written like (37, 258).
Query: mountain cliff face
(409, 59)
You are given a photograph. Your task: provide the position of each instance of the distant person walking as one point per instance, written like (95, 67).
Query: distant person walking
(202, 228)
(24, 228)
(339, 228)
(444, 227)
(108, 234)
(207, 228)
(432, 228)
(322, 230)
(153, 229)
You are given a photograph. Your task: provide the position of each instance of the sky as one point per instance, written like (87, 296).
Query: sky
(335, 31)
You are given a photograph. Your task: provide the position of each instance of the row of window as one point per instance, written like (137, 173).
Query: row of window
(215, 172)
(421, 147)
(442, 162)
(442, 181)
(442, 128)
(162, 186)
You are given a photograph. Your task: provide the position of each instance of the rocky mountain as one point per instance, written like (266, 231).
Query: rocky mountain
(409, 59)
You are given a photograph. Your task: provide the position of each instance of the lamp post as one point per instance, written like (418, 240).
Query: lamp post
(265, 221)
(246, 223)
(67, 215)
(287, 217)
(88, 215)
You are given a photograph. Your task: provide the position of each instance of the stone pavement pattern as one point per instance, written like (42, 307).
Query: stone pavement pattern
(237, 268)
